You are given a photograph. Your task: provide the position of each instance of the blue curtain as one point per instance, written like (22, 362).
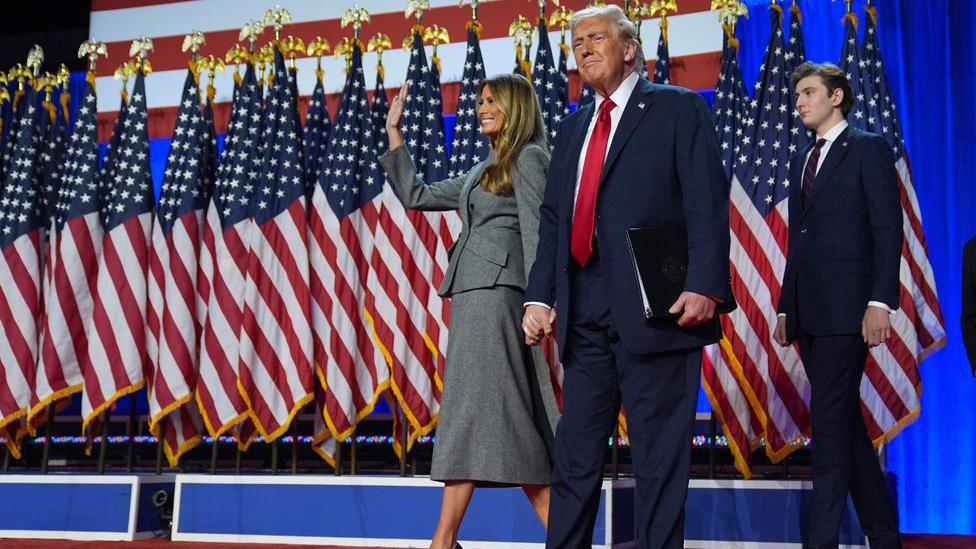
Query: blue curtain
(929, 50)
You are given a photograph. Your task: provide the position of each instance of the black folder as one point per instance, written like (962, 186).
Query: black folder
(660, 258)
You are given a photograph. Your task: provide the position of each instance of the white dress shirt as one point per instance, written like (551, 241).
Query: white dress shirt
(620, 97)
(830, 136)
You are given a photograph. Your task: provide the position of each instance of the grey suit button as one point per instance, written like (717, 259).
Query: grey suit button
(471, 206)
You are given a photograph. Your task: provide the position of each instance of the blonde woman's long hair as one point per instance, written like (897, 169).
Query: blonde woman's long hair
(515, 97)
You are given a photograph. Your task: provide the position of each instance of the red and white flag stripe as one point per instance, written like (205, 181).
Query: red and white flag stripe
(20, 295)
(117, 333)
(74, 252)
(223, 265)
(276, 375)
(174, 331)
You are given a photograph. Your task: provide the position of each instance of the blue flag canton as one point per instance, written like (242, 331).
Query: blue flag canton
(20, 203)
(795, 50)
(550, 87)
(883, 107)
(469, 146)
(53, 141)
(763, 166)
(352, 176)
(730, 109)
(423, 123)
(208, 153)
(132, 190)
(662, 67)
(78, 194)
(856, 66)
(282, 179)
(107, 177)
(318, 126)
(182, 190)
(564, 75)
(238, 169)
(378, 110)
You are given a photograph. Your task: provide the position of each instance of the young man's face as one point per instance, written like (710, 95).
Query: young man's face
(814, 104)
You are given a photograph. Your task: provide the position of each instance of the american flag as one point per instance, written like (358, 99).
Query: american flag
(172, 317)
(771, 377)
(20, 273)
(891, 386)
(378, 110)
(74, 246)
(419, 252)
(796, 50)
(107, 178)
(51, 155)
(117, 330)
(468, 147)
(662, 67)
(723, 385)
(345, 288)
(550, 87)
(223, 264)
(318, 128)
(276, 374)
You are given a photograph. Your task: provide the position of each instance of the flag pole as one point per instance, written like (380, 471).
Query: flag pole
(237, 461)
(48, 429)
(405, 433)
(337, 470)
(159, 454)
(353, 464)
(615, 452)
(130, 432)
(213, 455)
(103, 447)
(274, 457)
(294, 445)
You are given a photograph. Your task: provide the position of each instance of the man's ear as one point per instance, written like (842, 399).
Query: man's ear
(630, 51)
(837, 97)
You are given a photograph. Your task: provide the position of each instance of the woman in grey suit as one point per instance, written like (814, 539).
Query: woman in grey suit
(498, 410)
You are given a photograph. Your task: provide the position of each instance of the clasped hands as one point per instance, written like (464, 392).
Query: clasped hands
(691, 309)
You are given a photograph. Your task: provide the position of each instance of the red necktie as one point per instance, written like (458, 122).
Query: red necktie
(810, 171)
(581, 244)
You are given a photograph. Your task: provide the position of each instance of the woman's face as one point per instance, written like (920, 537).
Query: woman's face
(490, 117)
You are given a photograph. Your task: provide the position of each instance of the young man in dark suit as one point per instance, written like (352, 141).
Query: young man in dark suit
(839, 290)
(641, 155)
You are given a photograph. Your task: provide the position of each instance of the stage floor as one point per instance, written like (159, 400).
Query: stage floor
(911, 541)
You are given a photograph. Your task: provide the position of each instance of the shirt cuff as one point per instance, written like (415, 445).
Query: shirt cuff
(527, 303)
(880, 305)
(781, 315)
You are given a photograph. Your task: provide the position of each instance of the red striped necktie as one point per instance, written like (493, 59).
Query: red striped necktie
(810, 171)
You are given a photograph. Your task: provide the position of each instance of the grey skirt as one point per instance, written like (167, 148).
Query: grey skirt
(496, 419)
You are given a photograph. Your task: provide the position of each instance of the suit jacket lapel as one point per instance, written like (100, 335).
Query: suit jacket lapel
(837, 152)
(576, 151)
(638, 104)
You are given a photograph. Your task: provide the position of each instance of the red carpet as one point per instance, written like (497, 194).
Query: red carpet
(912, 541)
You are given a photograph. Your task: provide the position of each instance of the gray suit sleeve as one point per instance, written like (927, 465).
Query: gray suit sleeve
(530, 185)
(411, 189)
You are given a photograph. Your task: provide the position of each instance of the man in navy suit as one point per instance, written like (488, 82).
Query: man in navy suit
(642, 155)
(839, 289)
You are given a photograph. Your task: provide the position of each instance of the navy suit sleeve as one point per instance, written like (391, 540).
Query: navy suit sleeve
(880, 182)
(541, 286)
(968, 320)
(705, 197)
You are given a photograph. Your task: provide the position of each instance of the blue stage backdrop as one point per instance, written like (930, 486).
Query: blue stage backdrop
(929, 50)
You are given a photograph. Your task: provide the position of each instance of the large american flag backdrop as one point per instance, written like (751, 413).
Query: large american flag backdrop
(291, 271)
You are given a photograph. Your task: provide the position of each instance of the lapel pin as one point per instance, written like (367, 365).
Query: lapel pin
(640, 105)
(844, 144)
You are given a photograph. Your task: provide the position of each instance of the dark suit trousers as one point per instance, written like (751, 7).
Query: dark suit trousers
(843, 458)
(658, 393)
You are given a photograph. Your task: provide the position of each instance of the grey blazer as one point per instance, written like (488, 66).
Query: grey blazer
(497, 243)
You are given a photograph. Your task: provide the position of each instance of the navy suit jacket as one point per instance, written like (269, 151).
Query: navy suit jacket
(845, 245)
(663, 168)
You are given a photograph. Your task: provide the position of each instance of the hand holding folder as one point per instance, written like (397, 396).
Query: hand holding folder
(660, 259)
